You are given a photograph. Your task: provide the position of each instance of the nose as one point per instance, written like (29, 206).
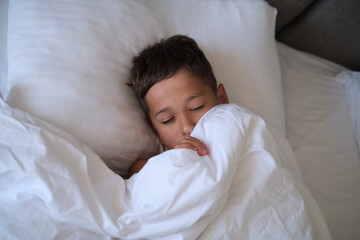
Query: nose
(186, 124)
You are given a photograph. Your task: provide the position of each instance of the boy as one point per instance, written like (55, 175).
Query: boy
(176, 85)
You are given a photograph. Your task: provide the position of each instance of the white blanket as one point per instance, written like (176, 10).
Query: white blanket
(248, 187)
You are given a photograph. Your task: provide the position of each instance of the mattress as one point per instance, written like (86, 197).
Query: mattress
(321, 133)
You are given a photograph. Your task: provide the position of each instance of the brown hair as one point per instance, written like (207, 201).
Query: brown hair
(163, 59)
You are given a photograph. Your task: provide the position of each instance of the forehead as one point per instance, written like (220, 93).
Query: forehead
(179, 87)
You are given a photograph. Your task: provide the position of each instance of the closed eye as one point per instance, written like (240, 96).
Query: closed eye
(167, 121)
(197, 108)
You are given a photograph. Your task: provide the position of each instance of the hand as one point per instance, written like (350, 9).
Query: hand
(186, 141)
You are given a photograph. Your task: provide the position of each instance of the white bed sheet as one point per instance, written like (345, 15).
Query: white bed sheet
(3, 45)
(322, 135)
(248, 187)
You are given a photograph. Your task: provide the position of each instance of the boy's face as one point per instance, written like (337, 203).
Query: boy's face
(176, 104)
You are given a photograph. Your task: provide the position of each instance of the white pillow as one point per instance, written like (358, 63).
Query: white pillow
(69, 62)
(352, 90)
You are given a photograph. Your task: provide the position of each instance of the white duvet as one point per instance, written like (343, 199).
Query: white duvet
(248, 187)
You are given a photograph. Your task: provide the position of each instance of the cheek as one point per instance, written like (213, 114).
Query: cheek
(167, 136)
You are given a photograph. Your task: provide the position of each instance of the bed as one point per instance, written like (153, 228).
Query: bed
(71, 126)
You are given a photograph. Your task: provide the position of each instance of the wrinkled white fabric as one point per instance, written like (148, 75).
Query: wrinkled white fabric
(249, 186)
(323, 137)
(69, 62)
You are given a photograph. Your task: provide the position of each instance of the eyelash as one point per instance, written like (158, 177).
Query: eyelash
(197, 108)
(167, 121)
(193, 109)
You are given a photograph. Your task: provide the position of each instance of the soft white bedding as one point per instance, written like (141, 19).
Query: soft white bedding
(3, 45)
(69, 62)
(351, 81)
(322, 135)
(249, 186)
(318, 127)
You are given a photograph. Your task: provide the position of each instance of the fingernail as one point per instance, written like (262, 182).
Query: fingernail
(205, 150)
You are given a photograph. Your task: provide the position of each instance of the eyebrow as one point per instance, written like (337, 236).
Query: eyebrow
(187, 100)
(162, 110)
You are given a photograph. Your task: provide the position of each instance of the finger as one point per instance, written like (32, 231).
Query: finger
(197, 145)
(192, 140)
(186, 145)
(202, 149)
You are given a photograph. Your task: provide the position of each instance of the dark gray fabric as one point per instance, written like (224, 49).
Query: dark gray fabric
(288, 10)
(329, 29)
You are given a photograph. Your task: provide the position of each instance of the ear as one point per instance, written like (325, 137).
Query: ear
(221, 94)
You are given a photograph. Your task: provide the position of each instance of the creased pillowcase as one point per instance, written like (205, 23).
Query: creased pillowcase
(69, 63)
(352, 90)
